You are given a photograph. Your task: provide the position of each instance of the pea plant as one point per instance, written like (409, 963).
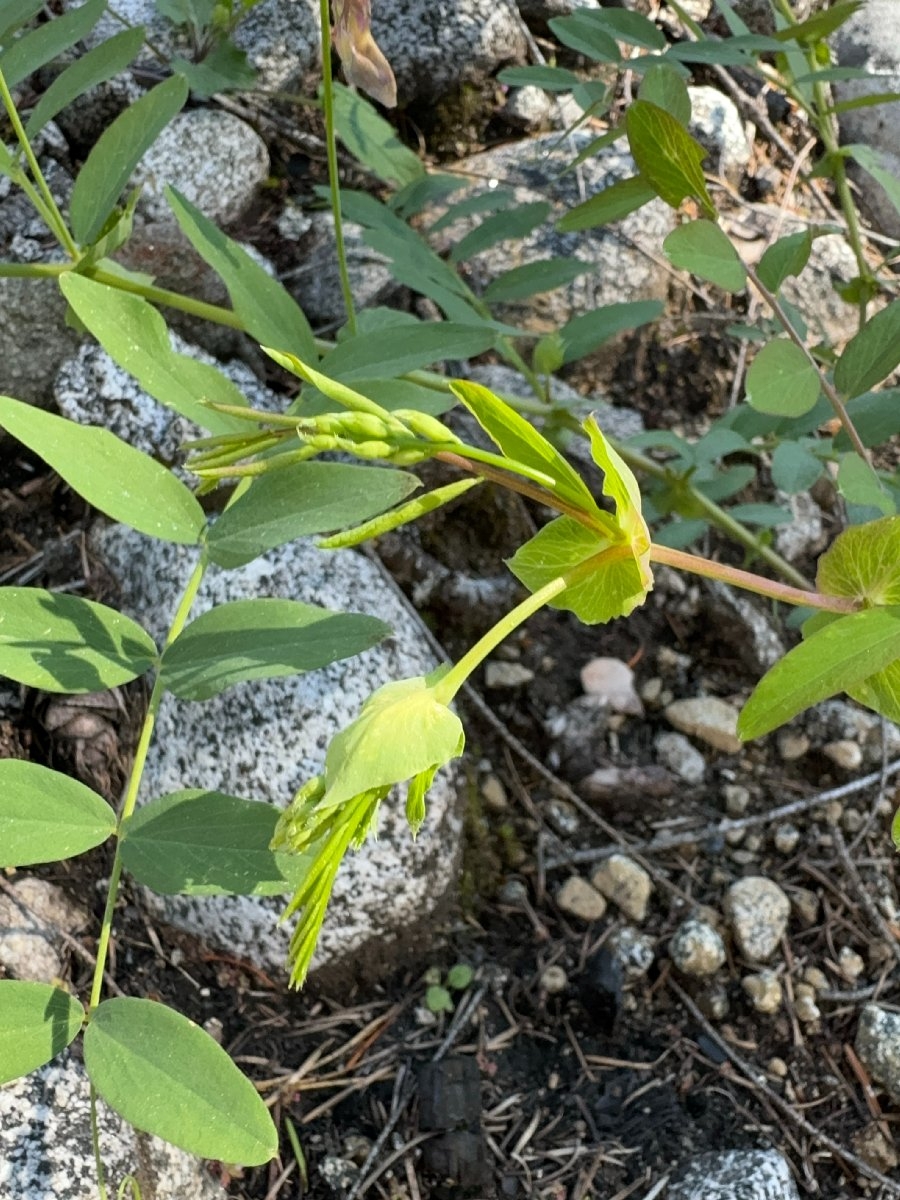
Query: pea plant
(372, 394)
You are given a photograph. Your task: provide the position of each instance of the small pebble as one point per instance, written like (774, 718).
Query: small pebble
(562, 816)
(878, 1046)
(737, 799)
(753, 843)
(626, 883)
(874, 1148)
(816, 978)
(734, 837)
(851, 964)
(844, 754)
(513, 892)
(852, 821)
(356, 1147)
(806, 906)
(651, 690)
(805, 1004)
(554, 980)
(834, 811)
(577, 898)
(713, 1001)
(696, 948)
(494, 795)
(634, 951)
(611, 682)
(792, 746)
(786, 839)
(673, 750)
(708, 718)
(758, 911)
(498, 675)
(764, 991)
(777, 1067)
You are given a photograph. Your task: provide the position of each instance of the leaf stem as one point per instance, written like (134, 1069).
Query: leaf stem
(681, 560)
(134, 781)
(334, 183)
(46, 206)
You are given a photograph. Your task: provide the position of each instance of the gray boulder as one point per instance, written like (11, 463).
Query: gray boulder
(264, 739)
(736, 1175)
(46, 1151)
(870, 40)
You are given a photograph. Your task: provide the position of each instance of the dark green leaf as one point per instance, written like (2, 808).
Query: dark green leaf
(268, 311)
(515, 222)
(471, 206)
(423, 193)
(551, 79)
(261, 639)
(197, 843)
(117, 152)
(767, 515)
(663, 86)
(627, 26)
(834, 658)
(782, 380)
(613, 203)
(582, 335)
(794, 469)
(680, 534)
(667, 156)
(788, 256)
(39, 1021)
(16, 13)
(62, 643)
(733, 52)
(544, 275)
(872, 100)
(702, 248)
(120, 481)
(858, 484)
(582, 32)
(872, 354)
(34, 50)
(403, 348)
(309, 497)
(373, 140)
(136, 337)
(875, 416)
(46, 816)
(166, 1076)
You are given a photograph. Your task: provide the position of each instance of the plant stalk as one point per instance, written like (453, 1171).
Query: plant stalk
(334, 183)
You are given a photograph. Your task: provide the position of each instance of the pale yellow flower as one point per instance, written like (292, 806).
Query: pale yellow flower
(364, 64)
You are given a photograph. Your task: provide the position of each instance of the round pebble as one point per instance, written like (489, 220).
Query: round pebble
(764, 991)
(554, 980)
(805, 1004)
(696, 948)
(626, 884)
(577, 898)
(758, 911)
(786, 838)
(851, 964)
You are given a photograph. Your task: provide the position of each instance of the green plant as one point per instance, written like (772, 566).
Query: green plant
(371, 393)
(216, 64)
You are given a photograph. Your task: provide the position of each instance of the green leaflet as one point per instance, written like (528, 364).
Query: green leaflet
(39, 1021)
(373, 141)
(835, 658)
(613, 203)
(668, 158)
(61, 643)
(702, 248)
(35, 49)
(782, 380)
(46, 816)
(261, 639)
(788, 256)
(872, 354)
(864, 562)
(201, 843)
(118, 151)
(121, 482)
(166, 1076)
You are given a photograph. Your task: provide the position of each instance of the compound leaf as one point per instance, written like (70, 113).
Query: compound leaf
(39, 1021)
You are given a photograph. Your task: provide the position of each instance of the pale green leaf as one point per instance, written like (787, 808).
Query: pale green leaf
(788, 256)
(583, 32)
(858, 484)
(46, 816)
(136, 337)
(197, 843)
(794, 469)
(267, 310)
(836, 657)
(667, 156)
(551, 79)
(261, 639)
(872, 354)
(38, 1022)
(61, 643)
(166, 1076)
(875, 417)
(119, 149)
(369, 755)
(120, 481)
(702, 248)
(309, 497)
(663, 86)
(782, 380)
(533, 278)
(864, 562)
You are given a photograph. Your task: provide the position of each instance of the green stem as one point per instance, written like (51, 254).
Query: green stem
(197, 308)
(33, 270)
(748, 582)
(334, 183)
(46, 206)
(449, 685)
(134, 782)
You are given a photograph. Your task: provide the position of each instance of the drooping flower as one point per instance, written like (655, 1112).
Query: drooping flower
(364, 64)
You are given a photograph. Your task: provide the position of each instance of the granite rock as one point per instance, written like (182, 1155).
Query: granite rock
(757, 910)
(263, 739)
(34, 914)
(696, 948)
(717, 126)
(735, 1175)
(878, 1047)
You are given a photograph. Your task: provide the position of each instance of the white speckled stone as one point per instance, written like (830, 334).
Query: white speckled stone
(263, 739)
(736, 1175)
(878, 1046)
(214, 158)
(32, 916)
(717, 126)
(46, 1153)
(757, 910)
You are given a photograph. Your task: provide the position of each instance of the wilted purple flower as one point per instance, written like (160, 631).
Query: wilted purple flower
(364, 64)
